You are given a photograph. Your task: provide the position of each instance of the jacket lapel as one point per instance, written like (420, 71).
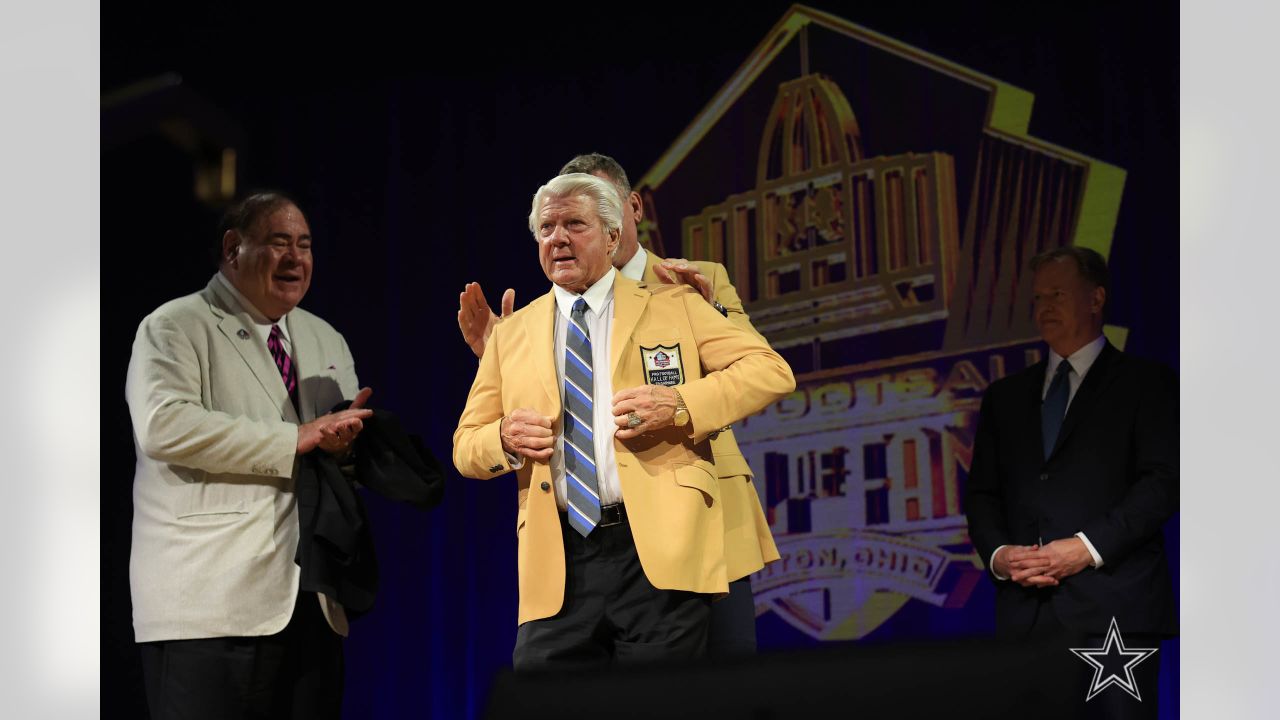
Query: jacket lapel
(1092, 388)
(538, 327)
(237, 326)
(1035, 400)
(307, 359)
(629, 301)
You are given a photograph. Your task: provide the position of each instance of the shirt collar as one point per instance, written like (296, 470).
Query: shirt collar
(1081, 360)
(597, 296)
(253, 312)
(634, 269)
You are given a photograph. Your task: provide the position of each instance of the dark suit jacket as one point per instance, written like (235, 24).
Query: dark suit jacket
(1112, 475)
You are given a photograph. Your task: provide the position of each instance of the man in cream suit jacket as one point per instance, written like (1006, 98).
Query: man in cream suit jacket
(226, 389)
(749, 544)
(630, 578)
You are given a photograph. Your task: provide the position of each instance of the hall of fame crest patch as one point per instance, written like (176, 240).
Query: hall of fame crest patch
(662, 365)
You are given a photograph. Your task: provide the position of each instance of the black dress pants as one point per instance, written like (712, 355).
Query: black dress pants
(612, 615)
(296, 673)
(733, 623)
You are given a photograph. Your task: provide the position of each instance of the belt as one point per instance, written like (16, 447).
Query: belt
(614, 514)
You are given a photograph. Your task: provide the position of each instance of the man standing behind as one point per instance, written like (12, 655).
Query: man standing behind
(227, 388)
(1074, 473)
(601, 394)
(748, 542)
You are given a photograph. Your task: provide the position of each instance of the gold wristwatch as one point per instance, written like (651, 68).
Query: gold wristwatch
(682, 413)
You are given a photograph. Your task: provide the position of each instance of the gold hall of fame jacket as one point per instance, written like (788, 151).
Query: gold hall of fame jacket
(673, 497)
(748, 542)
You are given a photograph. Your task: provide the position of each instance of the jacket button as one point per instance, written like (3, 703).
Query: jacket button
(545, 486)
(1044, 476)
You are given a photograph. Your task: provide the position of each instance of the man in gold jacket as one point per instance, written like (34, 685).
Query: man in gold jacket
(749, 544)
(603, 395)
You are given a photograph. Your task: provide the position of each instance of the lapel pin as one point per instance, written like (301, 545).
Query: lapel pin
(242, 334)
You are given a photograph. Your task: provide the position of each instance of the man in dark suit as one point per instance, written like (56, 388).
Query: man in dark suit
(1074, 473)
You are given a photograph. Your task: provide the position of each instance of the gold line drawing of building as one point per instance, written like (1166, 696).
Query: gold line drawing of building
(894, 283)
(830, 244)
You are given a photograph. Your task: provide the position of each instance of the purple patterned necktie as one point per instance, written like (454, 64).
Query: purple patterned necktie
(283, 362)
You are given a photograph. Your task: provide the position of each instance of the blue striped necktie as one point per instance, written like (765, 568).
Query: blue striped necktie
(1054, 407)
(582, 490)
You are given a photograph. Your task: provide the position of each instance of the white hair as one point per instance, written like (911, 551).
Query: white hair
(601, 192)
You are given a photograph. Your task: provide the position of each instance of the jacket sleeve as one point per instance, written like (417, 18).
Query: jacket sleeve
(984, 500)
(743, 374)
(477, 444)
(1152, 497)
(171, 423)
(726, 294)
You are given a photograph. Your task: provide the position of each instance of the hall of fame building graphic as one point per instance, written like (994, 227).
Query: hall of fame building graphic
(828, 176)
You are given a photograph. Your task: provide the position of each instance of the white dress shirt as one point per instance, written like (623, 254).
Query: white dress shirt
(634, 269)
(1080, 362)
(261, 323)
(599, 320)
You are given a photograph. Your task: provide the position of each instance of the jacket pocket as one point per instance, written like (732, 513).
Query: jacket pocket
(212, 513)
(234, 530)
(699, 476)
(649, 337)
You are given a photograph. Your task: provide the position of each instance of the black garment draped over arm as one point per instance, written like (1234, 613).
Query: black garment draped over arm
(335, 545)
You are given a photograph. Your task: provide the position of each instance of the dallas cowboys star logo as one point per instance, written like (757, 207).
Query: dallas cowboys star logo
(1115, 655)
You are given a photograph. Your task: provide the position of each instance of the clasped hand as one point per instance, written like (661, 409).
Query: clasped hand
(1042, 565)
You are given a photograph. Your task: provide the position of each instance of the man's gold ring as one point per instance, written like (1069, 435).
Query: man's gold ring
(633, 420)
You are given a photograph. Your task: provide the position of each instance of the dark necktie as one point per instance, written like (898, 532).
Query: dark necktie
(582, 491)
(1054, 408)
(284, 363)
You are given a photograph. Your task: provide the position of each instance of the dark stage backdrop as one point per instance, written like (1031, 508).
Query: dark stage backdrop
(415, 144)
